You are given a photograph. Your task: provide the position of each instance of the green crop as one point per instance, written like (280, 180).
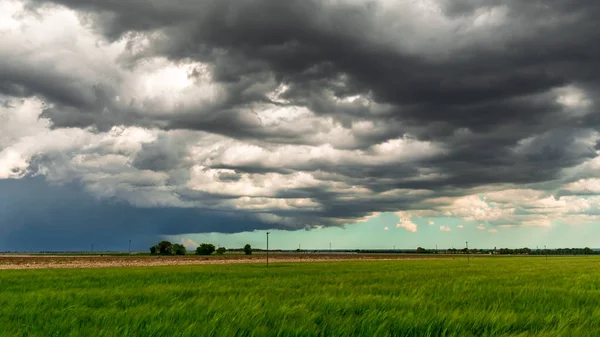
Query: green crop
(522, 296)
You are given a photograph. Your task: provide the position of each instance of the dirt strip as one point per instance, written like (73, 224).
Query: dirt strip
(53, 262)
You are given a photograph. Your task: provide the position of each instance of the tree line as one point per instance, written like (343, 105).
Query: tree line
(510, 251)
(168, 248)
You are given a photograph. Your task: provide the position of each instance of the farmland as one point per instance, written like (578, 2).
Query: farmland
(21, 261)
(525, 296)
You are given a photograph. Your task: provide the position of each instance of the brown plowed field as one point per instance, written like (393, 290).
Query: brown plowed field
(54, 261)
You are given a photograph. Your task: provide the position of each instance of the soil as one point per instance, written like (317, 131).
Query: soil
(54, 261)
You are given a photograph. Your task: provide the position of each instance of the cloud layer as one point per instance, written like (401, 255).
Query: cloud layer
(298, 114)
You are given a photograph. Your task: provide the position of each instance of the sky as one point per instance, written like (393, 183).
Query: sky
(367, 124)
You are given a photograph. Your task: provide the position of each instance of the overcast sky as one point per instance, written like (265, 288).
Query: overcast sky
(370, 123)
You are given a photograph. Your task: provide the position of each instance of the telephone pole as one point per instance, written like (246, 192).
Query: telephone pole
(468, 257)
(268, 249)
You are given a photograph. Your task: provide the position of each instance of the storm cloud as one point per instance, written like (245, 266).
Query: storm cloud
(303, 113)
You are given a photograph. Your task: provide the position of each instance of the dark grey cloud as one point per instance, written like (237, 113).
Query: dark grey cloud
(160, 155)
(503, 92)
(309, 44)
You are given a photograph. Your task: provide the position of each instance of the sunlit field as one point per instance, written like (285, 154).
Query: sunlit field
(513, 296)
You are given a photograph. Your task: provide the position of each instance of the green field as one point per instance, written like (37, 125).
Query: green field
(448, 297)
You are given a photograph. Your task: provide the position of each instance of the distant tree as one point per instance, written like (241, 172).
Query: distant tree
(248, 249)
(153, 250)
(205, 249)
(221, 250)
(421, 250)
(165, 248)
(179, 249)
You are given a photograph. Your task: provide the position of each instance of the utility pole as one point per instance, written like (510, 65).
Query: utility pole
(468, 257)
(129, 247)
(92, 247)
(268, 249)
(330, 247)
(436, 251)
(546, 252)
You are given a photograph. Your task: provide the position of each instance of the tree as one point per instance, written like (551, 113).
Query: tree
(205, 249)
(248, 249)
(179, 249)
(221, 250)
(165, 248)
(153, 250)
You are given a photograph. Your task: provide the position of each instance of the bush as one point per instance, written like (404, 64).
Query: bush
(153, 250)
(179, 249)
(205, 249)
(221, 250)
(165, 248)
(248, 249)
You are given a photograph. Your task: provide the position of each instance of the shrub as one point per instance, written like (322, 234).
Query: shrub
(221, 250)
(248, 249)
(179, 249)
(165, 248)
(153, 250)
(205, 249)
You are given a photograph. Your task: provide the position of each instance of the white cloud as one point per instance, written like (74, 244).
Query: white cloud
(431, 222)
(514, 196)
(480, 227)
(584, 186)
(8, 20)
(445, 229)
(386, 228)
(235, 153)
(537, 208)
(493, 230)
(23, 135)
(405, 222)
(207, 179)
(474, 208)
(574, 99)
(460, 226)
(541, 222)
(189, 244)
